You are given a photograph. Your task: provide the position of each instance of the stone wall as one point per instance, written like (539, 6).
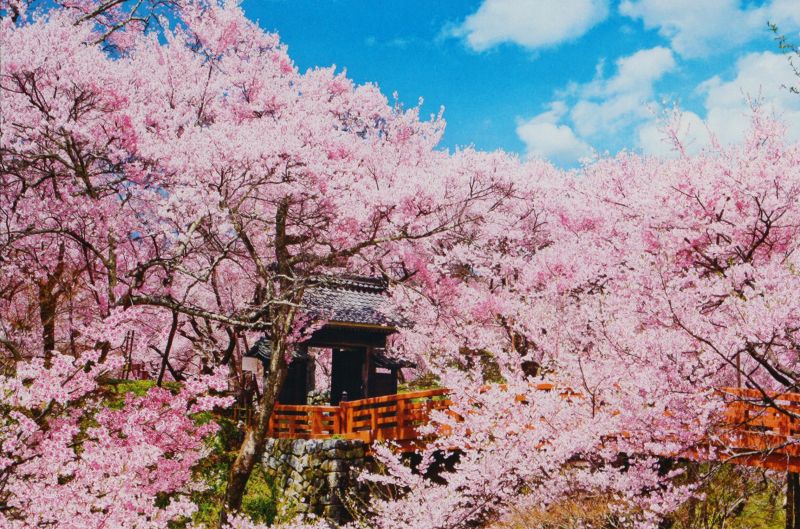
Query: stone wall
(314, 476)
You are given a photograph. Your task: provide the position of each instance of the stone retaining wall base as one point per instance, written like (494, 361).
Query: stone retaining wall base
(312, 476)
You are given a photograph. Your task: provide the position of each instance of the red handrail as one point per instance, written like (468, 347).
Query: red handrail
(751, 432)
(393, 417)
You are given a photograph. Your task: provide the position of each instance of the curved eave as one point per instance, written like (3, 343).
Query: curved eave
(354, 325)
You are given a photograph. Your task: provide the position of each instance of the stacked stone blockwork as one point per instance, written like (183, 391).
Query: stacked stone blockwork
(316, 476)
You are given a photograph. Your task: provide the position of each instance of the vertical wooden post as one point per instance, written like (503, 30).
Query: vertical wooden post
(428, 408)
(316, 421)
(401, 416)
(344, 419)
(373, 423)
(784, 426)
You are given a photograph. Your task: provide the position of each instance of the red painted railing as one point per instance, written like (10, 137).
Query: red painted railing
(751, 433)
(305, 422)
(760, 433)
(392, 417)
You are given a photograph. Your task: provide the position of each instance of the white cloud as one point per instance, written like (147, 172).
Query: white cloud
(696, 28)
(622, 107)
(530, 23)
(785, 13)
(640, 70)
(760, 77)
(616, 102)
(545, 138)
(601, 107)
(759, 80)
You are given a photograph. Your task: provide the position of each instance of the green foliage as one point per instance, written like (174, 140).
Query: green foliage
(117, 389)
(733, 497)
(137, 387)
(426, 381)
(260, 501)
(213, 471)
(763, 510)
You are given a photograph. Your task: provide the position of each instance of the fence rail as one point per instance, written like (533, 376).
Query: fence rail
(761, 430)
(394, 417)
(753, 431)
(305, 422)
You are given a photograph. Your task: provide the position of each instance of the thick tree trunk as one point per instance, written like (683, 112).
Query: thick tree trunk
(792, 500)
(281, 321)
(252, 449)
(47, 315)
(48, 305)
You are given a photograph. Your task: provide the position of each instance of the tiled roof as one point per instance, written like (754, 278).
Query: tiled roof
(262, 350)
(342, 299)
(380, 359)
(349, 300)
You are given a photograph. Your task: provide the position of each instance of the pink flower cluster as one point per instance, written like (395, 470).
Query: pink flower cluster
(72, 458)
(153, 171)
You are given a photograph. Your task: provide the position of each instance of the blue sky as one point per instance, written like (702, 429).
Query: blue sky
(557, 79)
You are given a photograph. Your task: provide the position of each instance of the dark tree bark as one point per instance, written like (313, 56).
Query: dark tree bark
(47, 315)
(255, 436)
(792, 500)
(48, 305)
(165, 357)
(281, 317)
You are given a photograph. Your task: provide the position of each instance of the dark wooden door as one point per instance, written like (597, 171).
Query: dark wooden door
(382, 381)
(347, 373)
(294, 389)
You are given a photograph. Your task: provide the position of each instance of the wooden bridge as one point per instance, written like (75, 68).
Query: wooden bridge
(750, 432)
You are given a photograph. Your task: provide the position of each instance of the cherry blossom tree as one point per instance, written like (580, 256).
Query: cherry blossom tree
(67, 459)
(195, 181)
(171, 184)
(636, 289)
